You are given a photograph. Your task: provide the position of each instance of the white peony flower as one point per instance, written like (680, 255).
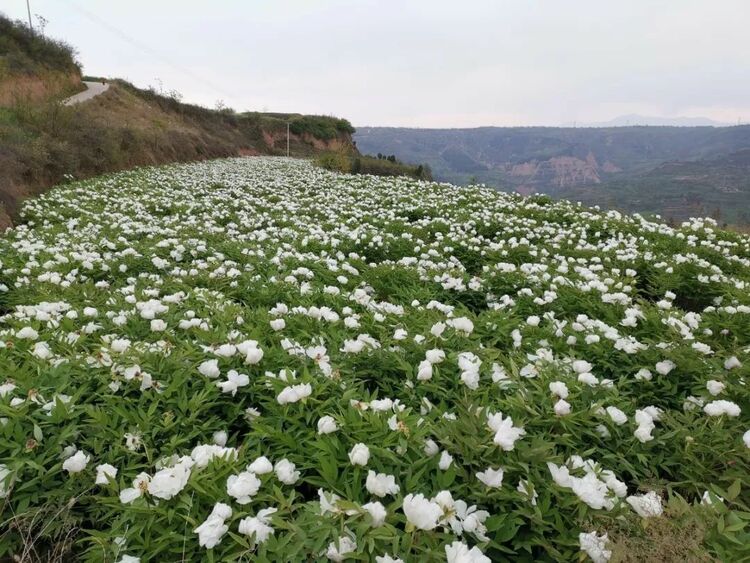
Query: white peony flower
(243, 486)
(286, 472)
(76, 463)
(617, 416)
(731, 363)
(294, 393)
(492, 478)
(505, 433)
(664, 367)
(377, 513)
(27, 333)
(210, 368)
(559, 388)
(459, 552)
(647, 506)
(327, 425)
(168, 482)
(104, 473)
(260, 525)
(715, 387)
(435, 356)
(562, 407)
(424, 371)
(260, 466)
(338, 550)
(421, 512)
(205, 453)
(445, 460)
(213, 528)
(140, 486)
(4, 474)
(431, 448)
(359, 454)
(718, 408)
(595, 546)
(462, 325)
(381, 484)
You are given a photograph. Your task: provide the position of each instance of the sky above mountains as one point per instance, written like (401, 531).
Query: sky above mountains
(423, 63)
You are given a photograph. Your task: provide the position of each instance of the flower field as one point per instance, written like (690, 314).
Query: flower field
(255, 359)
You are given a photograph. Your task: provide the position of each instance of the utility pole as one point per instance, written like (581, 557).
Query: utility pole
(287, 138)
(28, 9)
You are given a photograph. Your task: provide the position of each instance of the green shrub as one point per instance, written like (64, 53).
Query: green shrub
(25, 52)
(382, 166)
(335, 161)
(320, 126)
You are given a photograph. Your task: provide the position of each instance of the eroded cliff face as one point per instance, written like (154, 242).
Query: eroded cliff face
(306, 143)
(559, 172)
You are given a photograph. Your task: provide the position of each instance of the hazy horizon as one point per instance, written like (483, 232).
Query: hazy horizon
(423, 64)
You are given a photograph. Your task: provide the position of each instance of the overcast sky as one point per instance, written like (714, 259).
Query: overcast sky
(424, 63)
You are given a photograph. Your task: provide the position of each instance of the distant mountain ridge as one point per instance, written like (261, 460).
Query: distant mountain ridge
(632, 120)
(582, 163)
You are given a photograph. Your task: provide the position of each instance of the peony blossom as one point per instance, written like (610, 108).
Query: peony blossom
(459, 552)
(243, 486)
(338, 550)
(421, 512)
(492, 478)
(213, 528)
(359, 454)
(210, 368)
(562, 407)
(505, 433)
(446, 460)
(377, 513)
(664, 367)
(104, 473)
(381, 484)
(260, 466)
(718, 408)
(715, 387)
(595, 546)
(647, 506)
(327, 425)
(294, 393)
(286, 472)
(260, 525)
(76, 463)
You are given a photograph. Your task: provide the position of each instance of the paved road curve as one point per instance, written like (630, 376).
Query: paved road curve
(92, 89)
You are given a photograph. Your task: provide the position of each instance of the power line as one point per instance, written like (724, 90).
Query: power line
(145, 48)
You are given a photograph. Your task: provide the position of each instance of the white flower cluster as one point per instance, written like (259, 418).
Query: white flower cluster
(382, 341)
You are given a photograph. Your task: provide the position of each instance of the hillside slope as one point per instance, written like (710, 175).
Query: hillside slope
(33, 68)
(43, 143)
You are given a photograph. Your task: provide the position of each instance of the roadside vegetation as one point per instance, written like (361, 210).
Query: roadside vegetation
(24, 52)
(379, 165)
